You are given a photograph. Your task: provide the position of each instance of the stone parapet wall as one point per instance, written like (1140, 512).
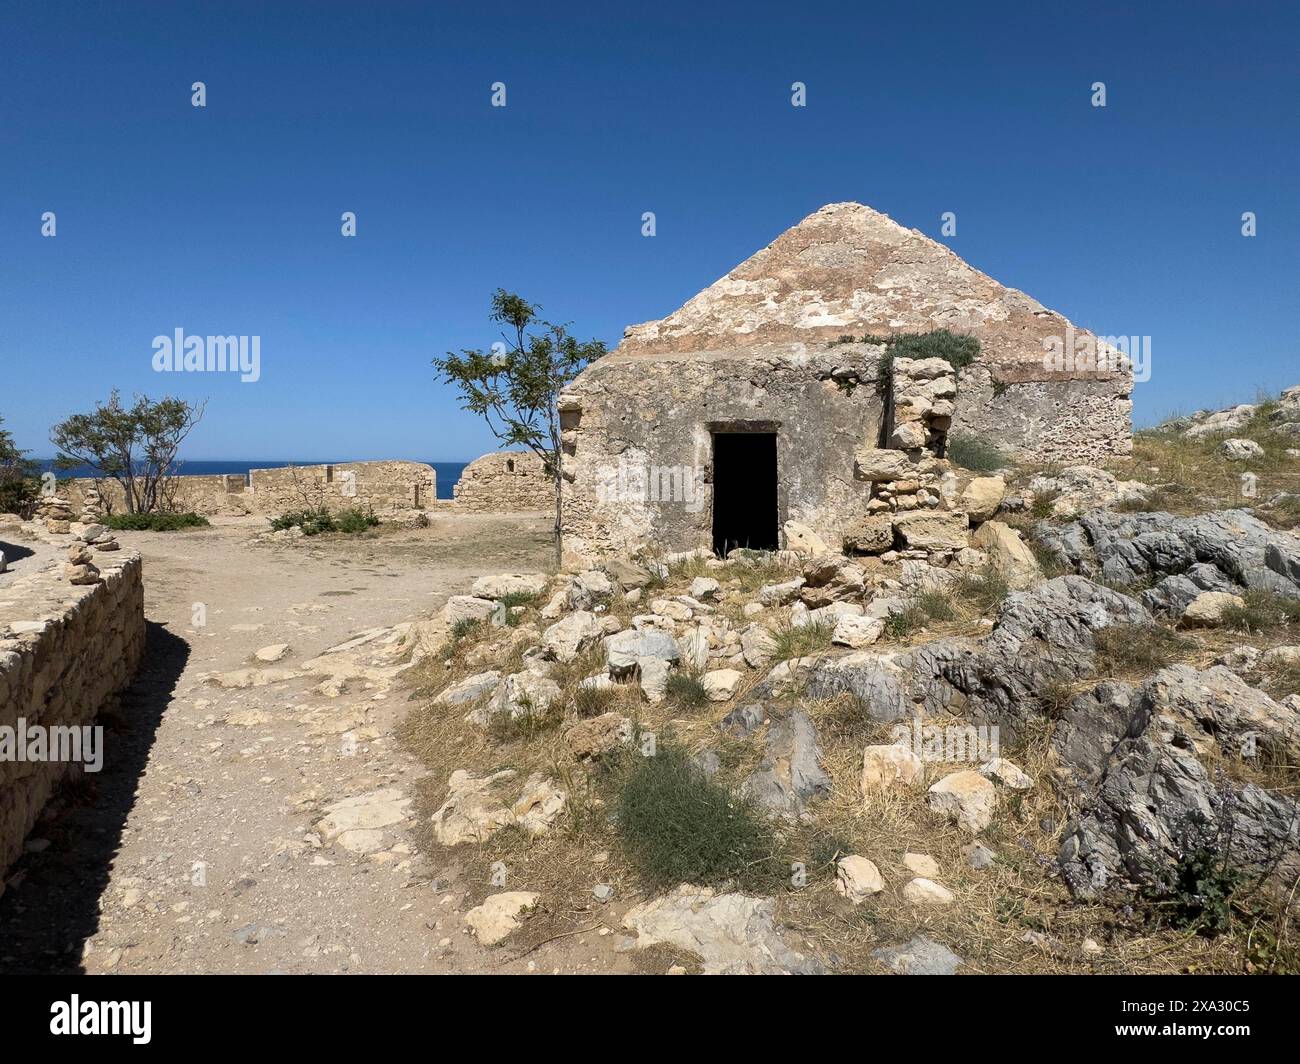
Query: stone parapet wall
(508, 482)
(379, 485)
(382, 485)
(65, 651)
(211, 495)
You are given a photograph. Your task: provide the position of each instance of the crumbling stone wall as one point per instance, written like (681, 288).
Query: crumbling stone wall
(382, 485)
(637, 441)
(506, 482)
(210, 495)
(378, 485)
(1084, 420)
(65, 652)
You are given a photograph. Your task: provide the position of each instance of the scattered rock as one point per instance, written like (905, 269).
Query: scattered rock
(743, 721)
(589, 739)
(803, 540)
(1238, 450)
(921, 864)
(566, 639)
(722, 684)
(1007, 774)
(885, 766)
(1207, 610)
(503, 584)
(857, 631)
(857, 879)
(273, 653)
(982, 497)
(480, 685)
(920, 956)
(732, 934)
(922, 891)
(966, 798)
(357, 823)
(1008, 554)
(791, 773)
(499, 914)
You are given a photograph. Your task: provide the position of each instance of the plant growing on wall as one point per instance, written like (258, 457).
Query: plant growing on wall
(514, 386)
(136, 445)
(18, 484)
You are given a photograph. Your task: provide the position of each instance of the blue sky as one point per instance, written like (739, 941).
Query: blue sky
(226, 219)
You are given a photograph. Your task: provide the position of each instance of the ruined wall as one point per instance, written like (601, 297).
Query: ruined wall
(210, 495)
(637, 441)
(1084, 420)
(508, 482)
(379, 485)
(65, 650)
(383, 485)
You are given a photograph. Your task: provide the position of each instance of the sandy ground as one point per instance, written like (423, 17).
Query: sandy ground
(194, 849)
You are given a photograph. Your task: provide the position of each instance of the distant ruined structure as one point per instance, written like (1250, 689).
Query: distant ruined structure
(742, 411)
(505, 482)
(382, 485)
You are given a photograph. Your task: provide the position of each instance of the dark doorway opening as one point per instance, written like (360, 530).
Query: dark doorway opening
(744, 491)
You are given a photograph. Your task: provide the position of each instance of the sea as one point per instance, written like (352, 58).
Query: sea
(448, 472)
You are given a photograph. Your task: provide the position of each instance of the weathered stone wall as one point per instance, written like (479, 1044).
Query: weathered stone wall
(383, 485)
(210, 495)
(379, 485)
(508, 482)
(637, 442)
(65, 650)
(1085, 421)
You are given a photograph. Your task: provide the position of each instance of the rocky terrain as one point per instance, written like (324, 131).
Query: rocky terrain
(1053, 729)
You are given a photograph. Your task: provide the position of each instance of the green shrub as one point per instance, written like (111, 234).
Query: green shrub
(986, 589)
(975, 454)
(936, 605)
(798, 642)
(464, 628)
(1196, 892)
(319, 520)
(1262, 611)
(678, 826)
(593, 701)
(153, 522)
(1044, 504)
(1121, 649)
(687, 689)
(505, 728)
(906, 621)
(957, 349)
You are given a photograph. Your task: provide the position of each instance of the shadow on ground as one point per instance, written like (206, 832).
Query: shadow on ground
(51, 905)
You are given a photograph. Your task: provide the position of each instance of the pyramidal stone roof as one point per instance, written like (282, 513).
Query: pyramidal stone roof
(848, 269)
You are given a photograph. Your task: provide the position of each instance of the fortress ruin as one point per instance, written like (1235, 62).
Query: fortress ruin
(746, 411)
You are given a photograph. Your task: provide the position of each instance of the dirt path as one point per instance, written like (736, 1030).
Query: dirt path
(194, 850)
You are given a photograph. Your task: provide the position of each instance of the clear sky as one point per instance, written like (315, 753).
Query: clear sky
(226, 219)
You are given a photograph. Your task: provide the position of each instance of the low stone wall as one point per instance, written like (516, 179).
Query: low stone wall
(211, 495)
(506, 482)
(378, 485)
(65, 650)
(383, 485)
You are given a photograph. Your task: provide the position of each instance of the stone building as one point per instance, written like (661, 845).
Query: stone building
(505, 482)
(743, 412)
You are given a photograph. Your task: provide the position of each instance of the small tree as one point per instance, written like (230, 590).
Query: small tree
(514, 386)
(135, 446)
(18, 483)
